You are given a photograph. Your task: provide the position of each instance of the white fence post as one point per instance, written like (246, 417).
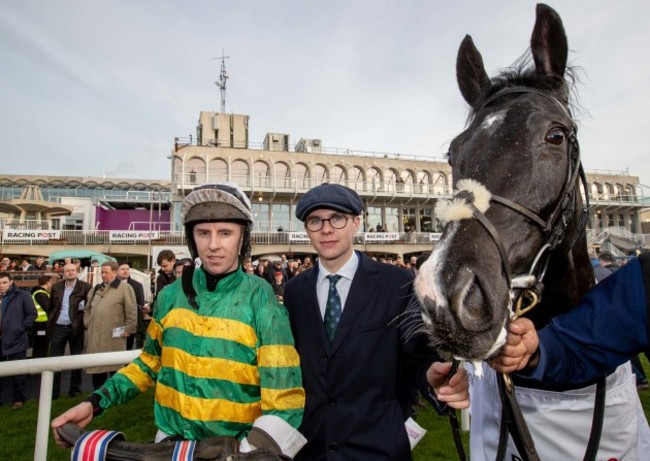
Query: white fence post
(47, 367)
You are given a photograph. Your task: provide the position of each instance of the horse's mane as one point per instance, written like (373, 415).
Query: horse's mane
(523, 73)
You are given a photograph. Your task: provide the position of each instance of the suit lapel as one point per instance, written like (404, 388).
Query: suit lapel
(314, 316)
(363, 284)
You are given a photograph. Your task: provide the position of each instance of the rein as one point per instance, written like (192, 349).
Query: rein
(529, 287)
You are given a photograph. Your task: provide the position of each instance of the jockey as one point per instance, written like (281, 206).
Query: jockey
(219, 350)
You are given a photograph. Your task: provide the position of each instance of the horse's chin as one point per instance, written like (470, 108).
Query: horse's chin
(455, 342)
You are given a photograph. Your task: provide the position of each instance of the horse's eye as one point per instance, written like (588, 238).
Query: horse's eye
(555, 136)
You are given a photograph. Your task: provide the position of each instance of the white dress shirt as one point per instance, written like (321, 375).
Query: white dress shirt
(342, 286)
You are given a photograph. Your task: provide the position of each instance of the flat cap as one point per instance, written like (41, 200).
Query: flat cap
(330, 197)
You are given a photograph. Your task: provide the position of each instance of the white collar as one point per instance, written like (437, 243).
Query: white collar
(346, 271)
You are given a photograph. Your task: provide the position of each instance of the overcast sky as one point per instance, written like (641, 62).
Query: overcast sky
(95, 88)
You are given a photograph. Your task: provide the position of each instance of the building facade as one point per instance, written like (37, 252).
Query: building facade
(399, 194)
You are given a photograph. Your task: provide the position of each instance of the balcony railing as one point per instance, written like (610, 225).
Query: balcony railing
(261, 182)
(83, 238)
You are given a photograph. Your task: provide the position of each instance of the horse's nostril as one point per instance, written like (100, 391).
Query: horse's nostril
(467, 300)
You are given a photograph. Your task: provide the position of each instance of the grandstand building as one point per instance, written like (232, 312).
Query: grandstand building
(137, 218)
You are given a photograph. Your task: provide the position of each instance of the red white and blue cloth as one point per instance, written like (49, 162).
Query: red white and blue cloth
(93, 446)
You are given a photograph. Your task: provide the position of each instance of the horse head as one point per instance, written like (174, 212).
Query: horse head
(517, 169)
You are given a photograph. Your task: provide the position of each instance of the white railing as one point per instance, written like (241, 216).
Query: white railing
(46, 368)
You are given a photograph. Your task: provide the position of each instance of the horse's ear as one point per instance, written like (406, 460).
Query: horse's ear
(548, 42)
(472, 79)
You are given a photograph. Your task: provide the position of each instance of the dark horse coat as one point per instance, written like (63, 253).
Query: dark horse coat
(359, 389)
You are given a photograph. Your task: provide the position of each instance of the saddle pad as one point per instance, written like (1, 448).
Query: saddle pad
(560, 422)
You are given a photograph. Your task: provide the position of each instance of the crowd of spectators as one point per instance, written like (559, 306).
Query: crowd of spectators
(278, 270)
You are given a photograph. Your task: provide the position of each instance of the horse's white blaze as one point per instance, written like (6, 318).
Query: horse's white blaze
(428, 283)
(493, 121)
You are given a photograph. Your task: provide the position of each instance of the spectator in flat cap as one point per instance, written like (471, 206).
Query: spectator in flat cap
(367, 313)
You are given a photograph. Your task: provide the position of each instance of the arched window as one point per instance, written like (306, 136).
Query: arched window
(240, 173)
(424, 181)
(618, 192)
(337, 175)
(357, 181)
(282, 179)
(374, 180)
(598, 192)
(321, 174)
(218, 170)
(301, 174)
(406, 181)
(439, 185)
(195, 171)
(391, 180)
(261, 174)
(608, 192)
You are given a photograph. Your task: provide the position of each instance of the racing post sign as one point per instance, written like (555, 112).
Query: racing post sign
(381, 236)
(298, 237)
(121, 236)
(33, 235)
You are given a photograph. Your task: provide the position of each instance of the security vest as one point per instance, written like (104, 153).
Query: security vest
(42, 315)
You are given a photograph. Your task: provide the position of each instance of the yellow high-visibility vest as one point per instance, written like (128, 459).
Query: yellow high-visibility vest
(42, 315)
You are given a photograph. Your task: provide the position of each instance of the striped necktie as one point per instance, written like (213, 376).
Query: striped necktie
(332, 308)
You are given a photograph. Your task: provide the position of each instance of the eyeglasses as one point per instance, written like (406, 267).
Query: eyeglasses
(337, 221)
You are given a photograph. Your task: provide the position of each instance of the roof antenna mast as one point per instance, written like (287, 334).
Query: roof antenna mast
(221, 83)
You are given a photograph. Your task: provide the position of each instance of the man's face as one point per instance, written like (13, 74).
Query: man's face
(108, 274)
(39, 261)
(124, 271)
(332, 244)
(218, 245)
(5, 284)
(70, 272)
(167, 265)
(5, 261)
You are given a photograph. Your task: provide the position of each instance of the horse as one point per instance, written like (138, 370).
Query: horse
(515, 231)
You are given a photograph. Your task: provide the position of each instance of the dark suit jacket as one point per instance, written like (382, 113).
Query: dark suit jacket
(79, 293)
(359, 388)
(138, 289)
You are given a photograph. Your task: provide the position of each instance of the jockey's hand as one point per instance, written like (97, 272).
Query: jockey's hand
(80, 415)
(453, 391)
(521, 344)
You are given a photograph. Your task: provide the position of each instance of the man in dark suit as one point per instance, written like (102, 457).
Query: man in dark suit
(356, 326)
(124, 274)
(65, 323)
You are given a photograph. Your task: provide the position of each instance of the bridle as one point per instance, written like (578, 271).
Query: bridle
(526, 289)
